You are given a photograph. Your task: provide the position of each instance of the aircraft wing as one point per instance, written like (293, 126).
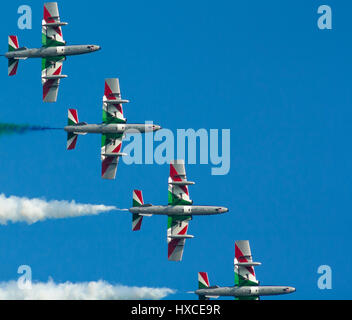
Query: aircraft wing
(112, 102)
(244, 265)
(176, 236)
(110, 154)
(51, 75)
(51, 26)
(178, 184)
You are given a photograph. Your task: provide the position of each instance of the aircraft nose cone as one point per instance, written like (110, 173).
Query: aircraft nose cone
(222, 210)
(289, 289)
(156, 127)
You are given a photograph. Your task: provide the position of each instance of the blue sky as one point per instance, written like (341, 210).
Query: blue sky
(263, 70)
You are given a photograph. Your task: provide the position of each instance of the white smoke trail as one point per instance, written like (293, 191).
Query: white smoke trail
(17, 209)
(93, 290)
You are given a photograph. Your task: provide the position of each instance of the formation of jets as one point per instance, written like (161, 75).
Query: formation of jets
(114, 127)
(246, 284)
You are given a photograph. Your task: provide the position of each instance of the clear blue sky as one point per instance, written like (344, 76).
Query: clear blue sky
(262, 69)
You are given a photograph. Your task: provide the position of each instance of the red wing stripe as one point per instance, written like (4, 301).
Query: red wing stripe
(239, 256)
(108, 92)
(105, 164)
(174, 174)
(47, 15)
(47, 86)
(172, 246)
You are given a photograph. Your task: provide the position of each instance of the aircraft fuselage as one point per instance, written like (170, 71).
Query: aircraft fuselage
(46, 52)
(245, 291)
(179, 210)
(112, 128)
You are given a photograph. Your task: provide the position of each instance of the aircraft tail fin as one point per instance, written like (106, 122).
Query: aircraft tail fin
(137, 202)
(13, 63)
(203, 280)
(137, 198)
(13, 43)
(71, 140)
(71, 121)
(12, 67)
(203, 283)
(72, 117)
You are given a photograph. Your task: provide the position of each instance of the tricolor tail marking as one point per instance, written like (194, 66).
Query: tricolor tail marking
(72, 119)
(12, 63)
(203, 280)
(137, 202)
(12, 67)
(13, 43)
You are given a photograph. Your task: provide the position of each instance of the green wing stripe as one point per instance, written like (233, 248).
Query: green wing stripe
(243, 282)
(46, 62)
(108, 118)
(48, 42)
(175, 201)
(106, 137)
(173, 220)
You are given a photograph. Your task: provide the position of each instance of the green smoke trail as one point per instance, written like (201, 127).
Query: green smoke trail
(11, 128)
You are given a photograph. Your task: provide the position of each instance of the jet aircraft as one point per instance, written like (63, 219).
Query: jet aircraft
(53, 52)
(246, 285)
(179, 210)
(113, 128)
